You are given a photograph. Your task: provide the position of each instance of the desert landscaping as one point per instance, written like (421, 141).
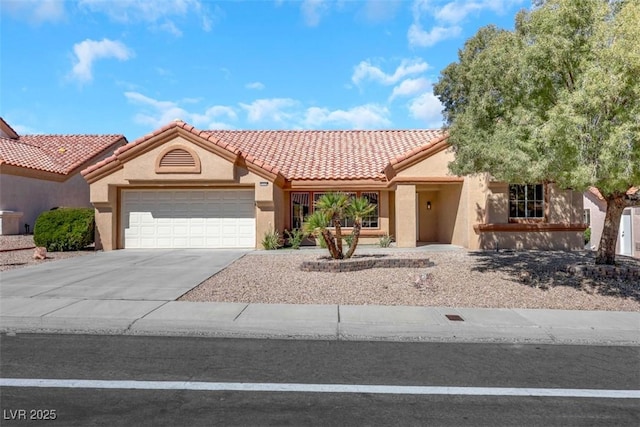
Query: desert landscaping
(458, 278)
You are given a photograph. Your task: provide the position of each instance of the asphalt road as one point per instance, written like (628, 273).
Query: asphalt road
(178, 366)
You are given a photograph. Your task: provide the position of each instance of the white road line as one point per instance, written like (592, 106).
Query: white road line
(320, 388)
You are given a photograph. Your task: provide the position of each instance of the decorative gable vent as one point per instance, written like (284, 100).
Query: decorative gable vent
(178, 160)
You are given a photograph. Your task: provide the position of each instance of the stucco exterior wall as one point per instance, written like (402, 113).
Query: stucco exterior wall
(540, 240)
(435, 166)
(33, 196)
(405, 203)
(564, 208)
(598, 210)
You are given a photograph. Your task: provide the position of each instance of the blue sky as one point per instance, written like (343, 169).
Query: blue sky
(131, 66)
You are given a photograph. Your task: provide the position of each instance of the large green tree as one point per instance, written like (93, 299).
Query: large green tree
(555, 100)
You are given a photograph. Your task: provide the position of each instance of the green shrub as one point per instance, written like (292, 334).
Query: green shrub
(295, 237)
(271, 240)
(385, 241)
(587, 236)
(65, 229)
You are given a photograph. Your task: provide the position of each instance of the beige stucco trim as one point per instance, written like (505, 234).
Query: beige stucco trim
(335, 185)
(427, 180)
(32, 173)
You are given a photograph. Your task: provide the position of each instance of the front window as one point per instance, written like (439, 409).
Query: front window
(299, 209)
(526, 201)
(587, 217)
(302, 204)
(345, 222)
(371, 221)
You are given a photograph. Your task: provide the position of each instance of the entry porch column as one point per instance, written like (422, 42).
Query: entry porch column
(406, 236)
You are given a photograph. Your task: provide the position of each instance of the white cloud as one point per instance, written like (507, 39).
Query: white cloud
(313, 10)
(366, 71)
(361, 117)
(158, 113)
(279, 110)
(428, 109)
(456, 11)
(88, 51)
(169, 27)
(275, 112)
(254, 85)
(35, 11)
(376, 11)
(448, 15)
(419, 37)
(128, 11)
(410, 87)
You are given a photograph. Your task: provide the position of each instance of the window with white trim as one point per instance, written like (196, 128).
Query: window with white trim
(300, 208)
(371, 220)
(346, 222)
(302, 204)
(587, 217)
(526, 201)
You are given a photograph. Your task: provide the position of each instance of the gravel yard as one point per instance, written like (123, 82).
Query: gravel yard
(10, 259)
(459, 278)
(526, 279)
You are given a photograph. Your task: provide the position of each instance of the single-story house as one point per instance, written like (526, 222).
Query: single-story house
(181, 187)
(40, 172)
(595, 209)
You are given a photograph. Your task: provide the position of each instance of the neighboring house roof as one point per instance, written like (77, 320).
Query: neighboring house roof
(60, 154)
(309, 154)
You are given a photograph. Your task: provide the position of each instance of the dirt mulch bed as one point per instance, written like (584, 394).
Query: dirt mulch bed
(12, 255)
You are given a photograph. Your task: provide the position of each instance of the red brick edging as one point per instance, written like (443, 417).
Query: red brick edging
(604, 271)
(339, 266)
(17, 249)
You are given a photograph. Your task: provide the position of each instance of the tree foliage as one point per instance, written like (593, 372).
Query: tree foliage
(556, 99)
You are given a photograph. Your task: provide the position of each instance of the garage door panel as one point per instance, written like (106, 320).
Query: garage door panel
(188, 219)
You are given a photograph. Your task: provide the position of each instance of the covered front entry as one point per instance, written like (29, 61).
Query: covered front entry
(200, 218)
(430, 212)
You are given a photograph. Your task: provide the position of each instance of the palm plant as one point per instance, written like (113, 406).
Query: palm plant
(331, 209)
(316, 225)
(334, 205)
(358, 208)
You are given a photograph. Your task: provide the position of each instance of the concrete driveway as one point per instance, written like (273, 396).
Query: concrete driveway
(152, 275)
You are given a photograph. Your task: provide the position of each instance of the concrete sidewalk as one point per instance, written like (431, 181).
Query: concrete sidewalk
(330, 322)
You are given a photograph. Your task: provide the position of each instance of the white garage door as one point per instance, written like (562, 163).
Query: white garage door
(188, 219)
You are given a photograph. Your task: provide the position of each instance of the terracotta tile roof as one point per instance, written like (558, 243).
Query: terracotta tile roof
(310, 154)
(318, 155)
(593, 190)
(54, 153)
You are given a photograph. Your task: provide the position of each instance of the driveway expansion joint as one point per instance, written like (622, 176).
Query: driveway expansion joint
(241, 311)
